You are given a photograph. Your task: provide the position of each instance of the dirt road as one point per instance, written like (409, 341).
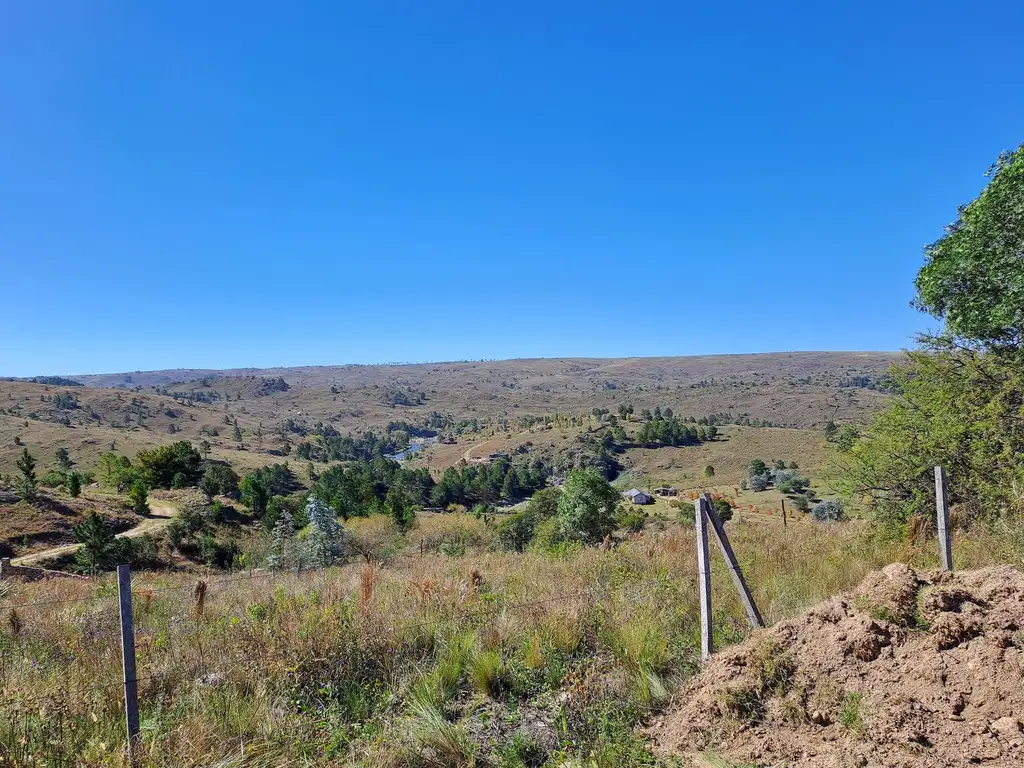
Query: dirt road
(159, 515)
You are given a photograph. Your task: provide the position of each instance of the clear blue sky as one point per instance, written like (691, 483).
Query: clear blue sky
(247, 183)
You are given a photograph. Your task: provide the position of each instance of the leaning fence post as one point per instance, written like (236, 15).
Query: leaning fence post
(783, 512)
(942, 518)
(131, 685)
(753, 615)
(703, 579)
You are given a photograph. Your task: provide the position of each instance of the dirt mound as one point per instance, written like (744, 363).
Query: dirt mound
(913, 669)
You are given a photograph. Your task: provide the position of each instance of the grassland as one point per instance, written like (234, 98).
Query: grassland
(479, 658)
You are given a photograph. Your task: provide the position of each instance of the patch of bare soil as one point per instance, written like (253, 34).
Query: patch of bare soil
(913, 669)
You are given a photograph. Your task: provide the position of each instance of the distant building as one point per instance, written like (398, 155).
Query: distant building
(665, 490)
(637, 496)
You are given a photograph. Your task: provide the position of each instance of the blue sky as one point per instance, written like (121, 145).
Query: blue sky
(247, 183)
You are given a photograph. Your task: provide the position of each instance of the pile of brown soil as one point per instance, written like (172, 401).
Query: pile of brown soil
(912, 669)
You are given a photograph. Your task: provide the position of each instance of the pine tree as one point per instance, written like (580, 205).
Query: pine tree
(74, 484)
(325, 541)
(238, 433)
(63, 459)
(138, 496)
(99, 546)
(27, 482)
(282, 542)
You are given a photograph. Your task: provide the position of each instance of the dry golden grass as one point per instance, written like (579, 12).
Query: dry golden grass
(368, 663)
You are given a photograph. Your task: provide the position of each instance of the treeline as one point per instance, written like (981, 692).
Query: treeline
(500, 480)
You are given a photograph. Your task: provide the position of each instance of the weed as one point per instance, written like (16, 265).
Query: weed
(850, 713)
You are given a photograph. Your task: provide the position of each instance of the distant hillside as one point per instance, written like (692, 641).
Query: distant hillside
(275, 408)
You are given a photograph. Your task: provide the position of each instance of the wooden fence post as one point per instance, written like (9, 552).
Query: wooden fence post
(753, 615)
(783, 512)
(131, 685)
(703, 579)
(942, 518)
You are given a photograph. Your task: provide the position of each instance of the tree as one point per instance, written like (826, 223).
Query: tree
(237, 434)
(283, 551)
(98, 551)
(26, 465)
(709, 471)
(973, 276)
(204, 448)
(516, 531)
(255, 493)
(138, 497)
(958, 398)
(724, 509)
(63, 459)
(758, 483)
(159, 466)
(219, 480)
(829, 511)
(402, 512)
(587, 509)
(74, 484)
(325, 538)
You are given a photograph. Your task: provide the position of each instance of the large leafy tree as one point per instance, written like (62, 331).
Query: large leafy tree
(161, 465)
(973, 277)
(587, 509)
(960, 398)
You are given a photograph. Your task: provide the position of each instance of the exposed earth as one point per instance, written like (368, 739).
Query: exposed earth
(913, 669)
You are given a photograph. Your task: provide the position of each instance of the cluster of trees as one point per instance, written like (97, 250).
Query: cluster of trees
(331, 445)
(671, 430)
(959, 396)
(402, 396)
(361, 488)
(784, 477)
(64, 475)
(101, 550)
(500, 480)
(585, 510)
(320, 541)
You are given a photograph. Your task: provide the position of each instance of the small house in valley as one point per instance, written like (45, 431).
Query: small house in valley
(637, 496)
(665, 490)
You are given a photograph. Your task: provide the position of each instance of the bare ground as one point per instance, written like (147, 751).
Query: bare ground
(913, 669)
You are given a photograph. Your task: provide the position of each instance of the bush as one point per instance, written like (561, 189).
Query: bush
(515, 533)
(52, 479)
(829, 511)
(633, 520)
(724, 509)
(801, 504)
(759, 483)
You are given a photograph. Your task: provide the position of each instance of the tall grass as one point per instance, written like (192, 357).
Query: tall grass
(424, 660)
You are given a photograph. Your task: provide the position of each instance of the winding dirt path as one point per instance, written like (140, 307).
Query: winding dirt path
(159, 515)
